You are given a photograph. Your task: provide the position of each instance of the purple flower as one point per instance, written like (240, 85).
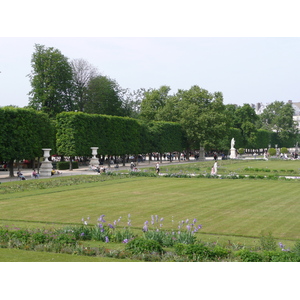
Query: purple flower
(82, 234)
(106, 239)
(146, 223)
(129, 223)
(161, 219)
(145, 228)
(115, 222)
(101, 218)
(199, 226)
(110, 226)
(281, 245)
(195, 220)
(188, 227)
(125, 241)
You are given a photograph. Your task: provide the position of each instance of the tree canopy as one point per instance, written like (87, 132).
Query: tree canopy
(51, 81)
(278, 117)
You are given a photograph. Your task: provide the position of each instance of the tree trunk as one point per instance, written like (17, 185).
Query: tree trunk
(11, 168)
(71, 165)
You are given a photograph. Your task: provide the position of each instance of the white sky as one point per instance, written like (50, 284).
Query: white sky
(251, 55)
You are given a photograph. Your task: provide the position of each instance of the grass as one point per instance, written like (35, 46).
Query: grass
(225, 167)
(231, 211)
(16, 255)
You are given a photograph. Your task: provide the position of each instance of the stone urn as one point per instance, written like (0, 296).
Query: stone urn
(46, 167)
(94, 160)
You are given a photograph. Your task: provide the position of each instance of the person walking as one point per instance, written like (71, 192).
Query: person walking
(157, 168)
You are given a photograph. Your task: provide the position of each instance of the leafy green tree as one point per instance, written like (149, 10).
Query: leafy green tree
(244, 118)
(154, 100)
(278, 117)
(104, 97)
(201, 115)
(23, 134)
(51, 81)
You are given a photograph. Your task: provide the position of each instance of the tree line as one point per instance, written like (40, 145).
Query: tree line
(63, 85)
(76, 108)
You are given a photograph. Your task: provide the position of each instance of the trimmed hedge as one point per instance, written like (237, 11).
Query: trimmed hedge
(64, 165)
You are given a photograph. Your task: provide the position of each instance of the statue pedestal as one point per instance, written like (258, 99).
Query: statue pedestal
(201, 154)
(232, 153)
(94, 160)
(46, 166)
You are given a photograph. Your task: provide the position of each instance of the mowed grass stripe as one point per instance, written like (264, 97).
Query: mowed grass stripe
(236, 207)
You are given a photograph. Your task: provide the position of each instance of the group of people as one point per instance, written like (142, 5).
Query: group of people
(34, 174)
(98, 170)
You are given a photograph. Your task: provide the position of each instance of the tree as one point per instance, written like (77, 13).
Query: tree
(201, 115)
(104, 97)
(154, 100)
(51, 81)
(278, 117)
(83, 72)
(244, 118)
(23, 134)
(131, 102)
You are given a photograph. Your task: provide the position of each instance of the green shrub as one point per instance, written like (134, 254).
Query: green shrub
(141, 245)
(248, 256)
(241, 150)
(65, 165)
(272, 151)
(195, 252)
(267, 242)
(280, 256)
(284, 150)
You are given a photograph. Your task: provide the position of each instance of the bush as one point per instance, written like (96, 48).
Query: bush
(284, 150)
(241, 151)
(283, 256)
(201, 252)
(268, 242)
(65, 165)
(248, 256)
(141, 245)
(272, 151)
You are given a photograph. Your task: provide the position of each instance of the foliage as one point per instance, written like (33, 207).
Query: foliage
(278, 117)
(64, 165)
(153, 102)
(249, 256)
(83, 72)
(51, 81)
(272, 151)
(24, 132)
(201, 252)
(103, 97)
(200, 113)
(78, 132)
(241, 150)
(141, 245)
(284, 150)
(267, 242)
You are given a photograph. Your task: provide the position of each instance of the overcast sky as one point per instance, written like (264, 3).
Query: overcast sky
(250, 55)
(245, 70)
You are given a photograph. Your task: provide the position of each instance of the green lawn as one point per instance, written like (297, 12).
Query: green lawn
(222, 206)
(225, 167)
(16, 255)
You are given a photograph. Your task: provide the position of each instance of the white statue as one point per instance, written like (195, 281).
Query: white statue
(232, 143)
